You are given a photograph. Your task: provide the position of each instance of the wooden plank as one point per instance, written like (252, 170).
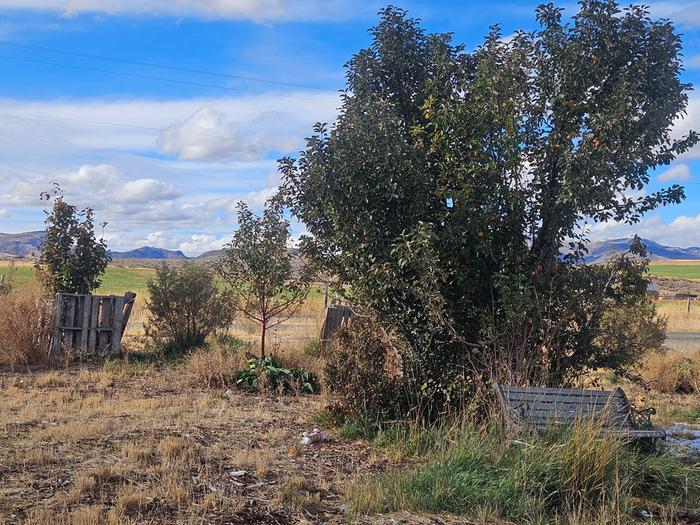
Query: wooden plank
(87, 311)
(69, 336)
(117, 318)
(129, 301)
(94, 321)
(55, 348)
(551, 390)
(105, 338)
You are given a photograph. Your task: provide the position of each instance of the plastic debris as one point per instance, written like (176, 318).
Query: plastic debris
(313, 437)
(237, 473)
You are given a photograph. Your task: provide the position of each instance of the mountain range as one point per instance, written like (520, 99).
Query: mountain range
(27, 245)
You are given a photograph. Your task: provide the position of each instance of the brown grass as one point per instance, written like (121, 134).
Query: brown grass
(149, 447)
(25, 329)
(678, 316)
(674, 372)
(215, 367)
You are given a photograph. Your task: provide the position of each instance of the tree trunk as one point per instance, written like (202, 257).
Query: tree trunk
(262, 339)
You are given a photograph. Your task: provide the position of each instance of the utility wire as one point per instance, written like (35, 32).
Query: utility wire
(149, 77)
(159, 66)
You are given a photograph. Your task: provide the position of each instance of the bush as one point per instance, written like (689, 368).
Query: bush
(216, 366)
(471, 472)
(185, 306)
(362, 369)
(26, 322)
(268, 373)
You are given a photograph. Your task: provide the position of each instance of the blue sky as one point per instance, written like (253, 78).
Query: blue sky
(164, 159)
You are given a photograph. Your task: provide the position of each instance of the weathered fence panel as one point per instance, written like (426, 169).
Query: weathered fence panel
(94, 323)
(337, 315)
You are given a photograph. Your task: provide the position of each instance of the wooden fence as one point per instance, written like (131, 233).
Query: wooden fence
(94, 323)
(337, 315)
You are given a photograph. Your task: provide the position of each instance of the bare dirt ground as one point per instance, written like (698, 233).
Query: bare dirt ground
(92, 446)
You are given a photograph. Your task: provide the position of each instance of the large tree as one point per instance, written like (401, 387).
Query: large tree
(451, 196)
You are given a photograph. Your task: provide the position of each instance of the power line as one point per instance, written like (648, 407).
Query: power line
(150, 77)
(160, 66)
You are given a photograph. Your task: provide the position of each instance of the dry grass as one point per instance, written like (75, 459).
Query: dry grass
(674, 372)
(215, 367)
(25, 329)
(116, 448)
(679, 318)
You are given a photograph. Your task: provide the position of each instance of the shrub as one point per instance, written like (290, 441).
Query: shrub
(26, 322)
(185, 306)
(268, 373)
(362, 369)
(215, 367)
(673, 372)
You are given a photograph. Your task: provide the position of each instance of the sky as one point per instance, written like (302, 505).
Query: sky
(163, 114)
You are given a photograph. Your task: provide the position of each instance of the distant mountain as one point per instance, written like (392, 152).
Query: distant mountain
(211, 254)
(601, 251)
(21, 244)
(149, 252)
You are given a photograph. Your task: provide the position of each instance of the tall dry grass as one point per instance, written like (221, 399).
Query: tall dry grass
(26, 319)
(678, 316)
(673, 371)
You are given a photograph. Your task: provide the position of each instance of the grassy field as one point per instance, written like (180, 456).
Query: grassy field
(677, 269)
(116, 280)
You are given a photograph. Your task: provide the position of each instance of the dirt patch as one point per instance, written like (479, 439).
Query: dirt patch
(100, 447)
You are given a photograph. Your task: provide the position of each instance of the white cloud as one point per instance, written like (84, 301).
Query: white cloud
(4, 213)
(96, 175)
(679, 172)
(683, 231)
(685, 13)
(694, 61)
(690, 121)
(256, 10)
(146, 190)
(206, 135)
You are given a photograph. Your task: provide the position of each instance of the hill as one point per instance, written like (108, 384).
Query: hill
(21, 244)
(149, 252)
(601, 251)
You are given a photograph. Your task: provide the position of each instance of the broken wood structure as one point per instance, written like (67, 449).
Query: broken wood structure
(93, 323)
(544, 408)
(337, 316)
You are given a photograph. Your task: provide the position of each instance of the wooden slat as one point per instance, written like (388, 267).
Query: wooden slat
(552, 390)
(87, 311)
(69, 336)
(94, 320)
(117, 318)
(58, 322)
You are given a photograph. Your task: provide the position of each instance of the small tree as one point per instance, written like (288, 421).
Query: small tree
(72, 259)
(185, 306)
(258, 267)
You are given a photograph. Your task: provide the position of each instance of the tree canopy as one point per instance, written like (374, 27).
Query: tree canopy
(452, 194)
(72, 259)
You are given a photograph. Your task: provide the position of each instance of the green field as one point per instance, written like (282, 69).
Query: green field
(116, 280)
(680, 270)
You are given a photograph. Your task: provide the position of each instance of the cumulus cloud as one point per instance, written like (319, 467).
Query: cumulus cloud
(206, 135)
(94, 175)
(679, 172)
(4, 213)
(255, 10)
(146, 190)
(683, 231)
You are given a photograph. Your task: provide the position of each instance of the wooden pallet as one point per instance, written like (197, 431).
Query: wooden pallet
(93, 323)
